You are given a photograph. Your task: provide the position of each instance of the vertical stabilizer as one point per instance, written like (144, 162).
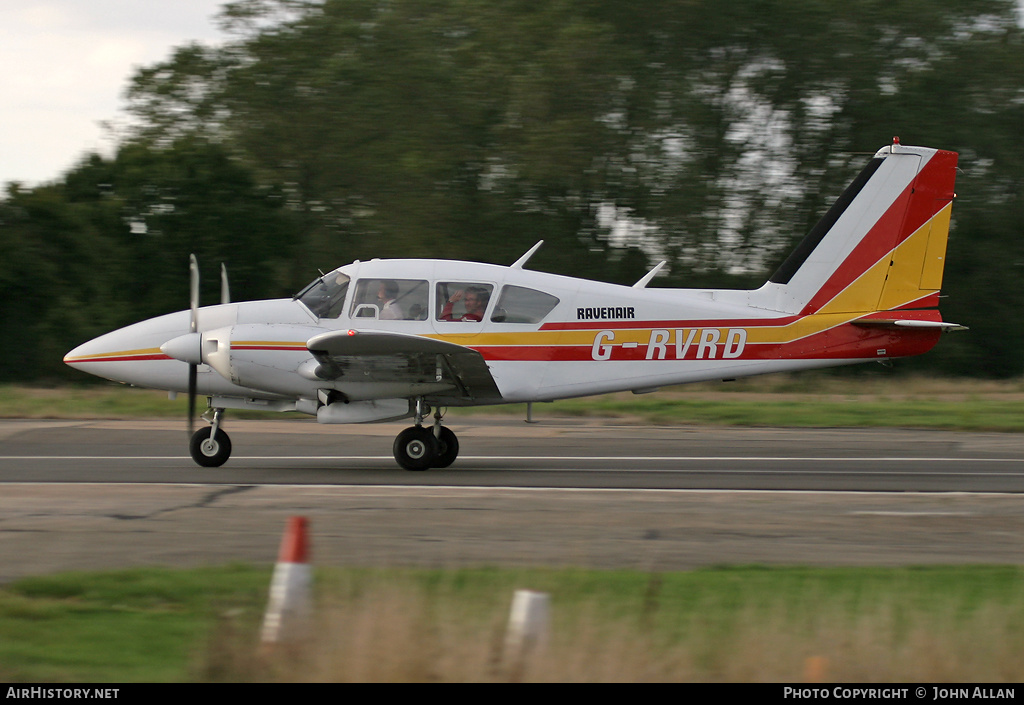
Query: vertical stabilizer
(881, 246)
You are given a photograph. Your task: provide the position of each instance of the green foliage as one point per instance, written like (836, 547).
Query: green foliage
(109, 245)
(52, 249)
(805, 400)
(139, 625)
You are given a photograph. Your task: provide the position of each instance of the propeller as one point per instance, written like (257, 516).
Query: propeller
(193, 368)
(189, 347)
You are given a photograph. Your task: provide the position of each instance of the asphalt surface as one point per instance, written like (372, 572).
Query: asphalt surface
(99, 494)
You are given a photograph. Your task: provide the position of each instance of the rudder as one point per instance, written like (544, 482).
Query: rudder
(916, 264)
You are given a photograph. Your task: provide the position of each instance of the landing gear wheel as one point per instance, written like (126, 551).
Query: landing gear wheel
(416, 448)
(449, 448)
(210, 452)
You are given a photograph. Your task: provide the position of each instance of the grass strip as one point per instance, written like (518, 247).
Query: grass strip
(811, 400)
(747, 623)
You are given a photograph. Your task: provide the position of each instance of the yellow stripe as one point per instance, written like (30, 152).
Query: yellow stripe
(916, 271)
(802, 328)
(122, 353)
(917, 263)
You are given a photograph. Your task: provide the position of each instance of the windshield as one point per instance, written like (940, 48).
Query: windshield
(325, 296)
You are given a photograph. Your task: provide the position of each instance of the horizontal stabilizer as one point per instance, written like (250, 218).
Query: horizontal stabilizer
(908, 323)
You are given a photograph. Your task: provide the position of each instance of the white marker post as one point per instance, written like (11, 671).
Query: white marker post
(289, 607)
(528, 625)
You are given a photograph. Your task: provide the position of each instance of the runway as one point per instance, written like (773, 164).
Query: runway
(100, 494)
(588, 454)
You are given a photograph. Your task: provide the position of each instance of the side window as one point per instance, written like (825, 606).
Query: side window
(518, 304)
(390, 299)
(462, 301)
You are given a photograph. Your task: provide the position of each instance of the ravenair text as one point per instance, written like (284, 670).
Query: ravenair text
(676, 344)
(596, 313)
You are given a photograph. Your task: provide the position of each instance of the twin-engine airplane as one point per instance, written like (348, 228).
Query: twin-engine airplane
(393, 339)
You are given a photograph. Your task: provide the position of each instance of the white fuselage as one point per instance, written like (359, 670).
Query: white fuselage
(596, 338)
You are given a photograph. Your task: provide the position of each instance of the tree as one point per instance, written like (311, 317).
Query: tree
(109, 244)
(57, 282)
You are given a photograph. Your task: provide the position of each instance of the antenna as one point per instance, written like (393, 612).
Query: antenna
(646, 279)
(518, 264)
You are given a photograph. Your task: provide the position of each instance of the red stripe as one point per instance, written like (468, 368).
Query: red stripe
(928, 301)
(121, 358)
(896, 315)
(293, 348)
(705, 323)
(842, 342)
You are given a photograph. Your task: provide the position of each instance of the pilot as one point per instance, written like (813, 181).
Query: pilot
(387, 293)
(475, 300)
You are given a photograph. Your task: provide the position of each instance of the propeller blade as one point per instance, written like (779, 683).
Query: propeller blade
(193, 370)
(225, 290)
(192, 375)
(193, 298)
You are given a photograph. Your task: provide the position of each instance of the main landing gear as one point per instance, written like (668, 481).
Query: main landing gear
(211, 447)
(420, 448)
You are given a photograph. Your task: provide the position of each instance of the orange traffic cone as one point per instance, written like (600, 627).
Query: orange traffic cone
(288, 610)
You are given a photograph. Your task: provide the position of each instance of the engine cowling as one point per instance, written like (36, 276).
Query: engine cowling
(258, 356)
(212, 348)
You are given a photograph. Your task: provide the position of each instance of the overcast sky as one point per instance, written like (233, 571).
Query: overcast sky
(64, 65)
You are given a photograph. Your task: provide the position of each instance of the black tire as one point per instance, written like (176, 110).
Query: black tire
(210, 453)
(449, 448)
(416, 448)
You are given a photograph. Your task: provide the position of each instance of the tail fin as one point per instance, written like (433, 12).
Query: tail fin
(881, 246)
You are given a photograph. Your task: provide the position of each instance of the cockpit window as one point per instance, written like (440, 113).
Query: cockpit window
(391, 299)
(518, 304)
(325, 297)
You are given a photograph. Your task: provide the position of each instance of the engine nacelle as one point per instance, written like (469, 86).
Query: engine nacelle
(258, 355)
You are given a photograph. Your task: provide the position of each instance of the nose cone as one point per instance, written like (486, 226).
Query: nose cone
(112, 347)
(132, 354)
(82, 352)
(118, 356)
(187, 348)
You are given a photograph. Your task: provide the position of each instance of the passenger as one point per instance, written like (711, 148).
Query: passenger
(390, 309)
(475, 300)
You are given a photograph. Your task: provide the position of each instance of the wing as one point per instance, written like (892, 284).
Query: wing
(402, 365)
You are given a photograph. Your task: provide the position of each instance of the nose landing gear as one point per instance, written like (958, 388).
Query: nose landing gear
(211, 447)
